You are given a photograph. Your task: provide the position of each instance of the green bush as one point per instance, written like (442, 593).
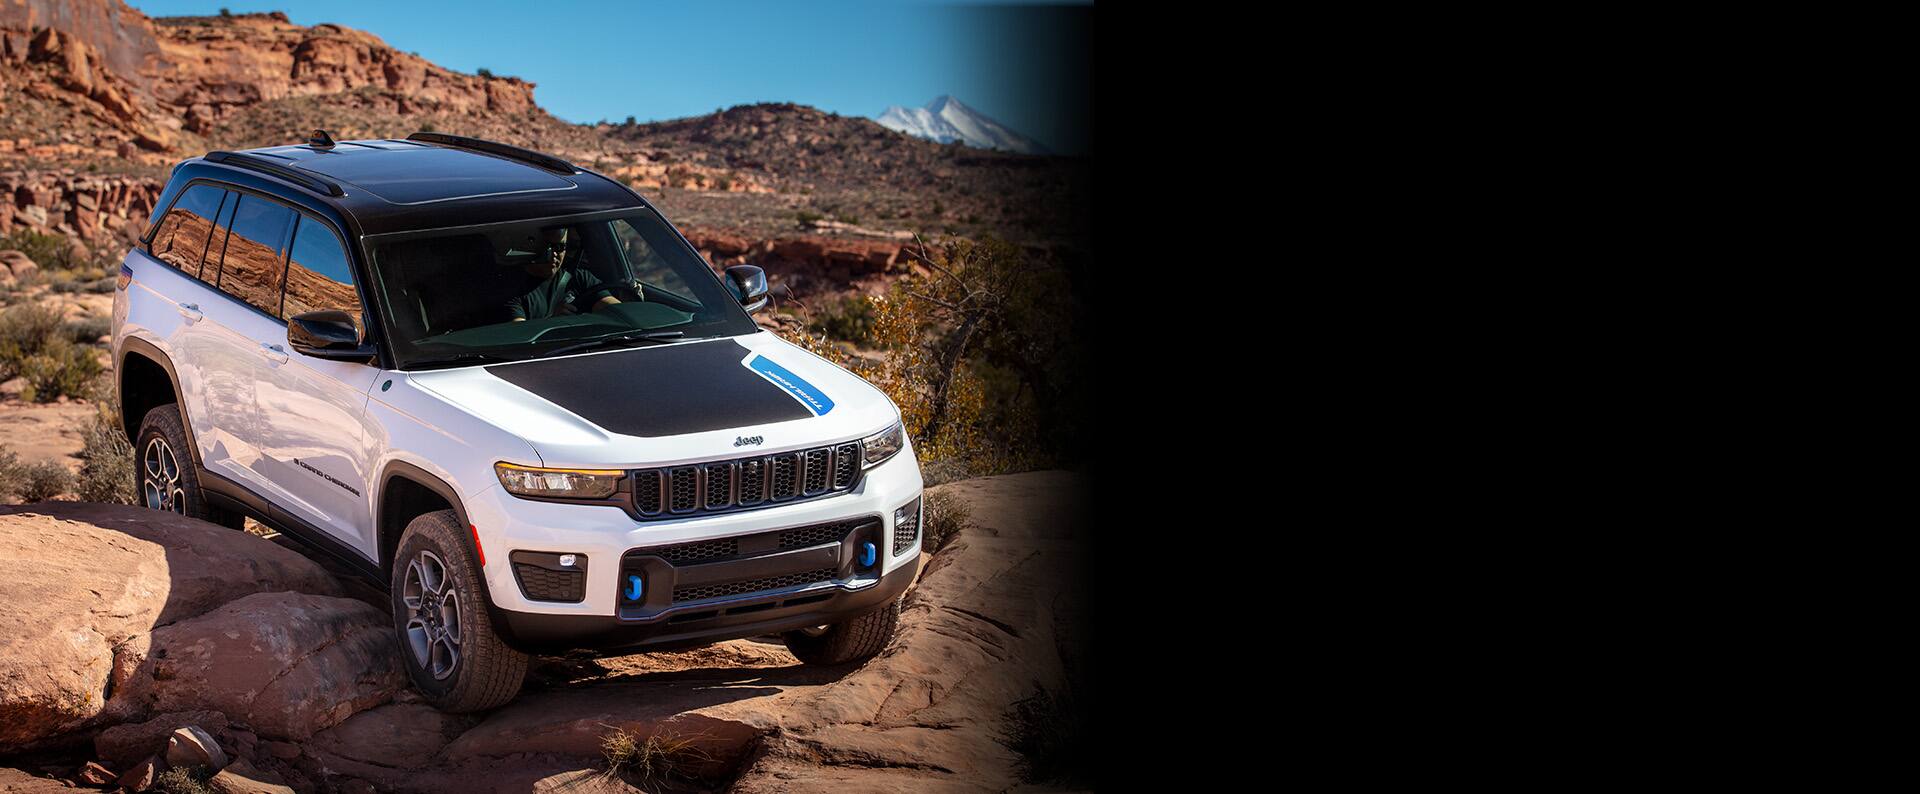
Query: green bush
(25, 331)
(46, 250)
(63, 368)
(946, 517)
(184, 780)
(88, 331)
(106, 458)
(32, 482)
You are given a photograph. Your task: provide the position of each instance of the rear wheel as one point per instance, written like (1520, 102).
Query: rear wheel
(164, 476)
(440, 618)
(855, 640)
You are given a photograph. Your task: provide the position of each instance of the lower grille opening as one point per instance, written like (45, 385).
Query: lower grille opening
(540, 584)
(751, 608)
(703, 592)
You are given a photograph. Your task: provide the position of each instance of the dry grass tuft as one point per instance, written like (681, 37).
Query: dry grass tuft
(651, 760)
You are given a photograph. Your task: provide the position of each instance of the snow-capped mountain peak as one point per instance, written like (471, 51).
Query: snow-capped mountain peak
(945, 120)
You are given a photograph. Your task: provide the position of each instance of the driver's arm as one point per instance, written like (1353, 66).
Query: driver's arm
(591, 285)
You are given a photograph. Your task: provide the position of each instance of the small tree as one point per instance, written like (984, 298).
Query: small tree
(977, 351)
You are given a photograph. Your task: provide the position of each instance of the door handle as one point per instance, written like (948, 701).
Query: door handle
(274, 353)
(191, 311)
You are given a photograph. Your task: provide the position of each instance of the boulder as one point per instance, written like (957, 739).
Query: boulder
(14, 264)
(285, 664)
(80, 579)
(241, 777)
(398, 735)
(122, 745)
(94, 774)
(191, 746)
(142, 775)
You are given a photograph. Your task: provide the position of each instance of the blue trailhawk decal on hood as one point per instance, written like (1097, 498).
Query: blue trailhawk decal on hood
(809, 396)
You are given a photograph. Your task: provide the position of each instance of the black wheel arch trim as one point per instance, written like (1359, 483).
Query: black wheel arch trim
(398, 470)
(402, 470)
(150, 351)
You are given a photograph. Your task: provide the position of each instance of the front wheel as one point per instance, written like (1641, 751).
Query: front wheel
(440, 618)
(848, 641)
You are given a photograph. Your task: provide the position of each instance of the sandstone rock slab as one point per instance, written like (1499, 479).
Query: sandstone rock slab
(284, 664)
(81, 579)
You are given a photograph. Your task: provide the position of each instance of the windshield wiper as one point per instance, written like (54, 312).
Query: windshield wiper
(461, 358)
(651, 337)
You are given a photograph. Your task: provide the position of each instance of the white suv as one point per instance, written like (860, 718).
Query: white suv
(507, 390)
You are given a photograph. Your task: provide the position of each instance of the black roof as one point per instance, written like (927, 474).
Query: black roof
(408, 185)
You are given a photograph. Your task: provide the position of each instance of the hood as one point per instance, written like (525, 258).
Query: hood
(668, 404)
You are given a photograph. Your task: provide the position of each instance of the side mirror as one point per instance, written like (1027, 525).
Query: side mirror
(329, 334)
(749, 284)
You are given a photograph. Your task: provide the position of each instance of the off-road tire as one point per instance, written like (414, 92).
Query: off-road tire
(163, 424)
(488, 673)
(848, 641)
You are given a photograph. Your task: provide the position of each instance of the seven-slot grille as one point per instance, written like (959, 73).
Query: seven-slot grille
(745, 482)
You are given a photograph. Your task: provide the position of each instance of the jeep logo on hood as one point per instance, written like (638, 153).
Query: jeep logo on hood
(747, 440)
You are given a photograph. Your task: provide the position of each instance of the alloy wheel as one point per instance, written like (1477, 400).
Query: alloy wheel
(161, 486)
(433, 615)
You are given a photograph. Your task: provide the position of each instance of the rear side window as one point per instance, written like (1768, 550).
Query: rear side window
(318, 275)
(182, 238)
(253, 265)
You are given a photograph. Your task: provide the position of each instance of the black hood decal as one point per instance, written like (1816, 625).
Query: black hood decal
(652, 392)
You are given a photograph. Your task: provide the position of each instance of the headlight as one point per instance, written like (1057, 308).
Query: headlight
(558, 483)
(876, 448)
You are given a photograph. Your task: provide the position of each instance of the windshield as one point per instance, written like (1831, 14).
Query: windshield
(513, 291)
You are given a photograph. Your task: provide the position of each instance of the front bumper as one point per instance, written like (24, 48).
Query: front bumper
(749, 615)
(605, 542)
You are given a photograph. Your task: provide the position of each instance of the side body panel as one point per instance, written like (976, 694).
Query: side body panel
(314, 442)
(150, 309)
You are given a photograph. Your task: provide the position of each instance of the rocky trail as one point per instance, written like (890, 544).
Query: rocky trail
(118, 627)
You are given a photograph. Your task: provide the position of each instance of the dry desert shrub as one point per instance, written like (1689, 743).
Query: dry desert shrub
(651, 760)
(38, 481)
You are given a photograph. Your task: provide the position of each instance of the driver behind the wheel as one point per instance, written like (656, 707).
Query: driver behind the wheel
(553, 289)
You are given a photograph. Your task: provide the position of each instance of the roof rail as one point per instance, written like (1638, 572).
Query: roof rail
(528, 156)
(310, 181)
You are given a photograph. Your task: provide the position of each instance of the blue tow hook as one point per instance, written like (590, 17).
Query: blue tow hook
(634, 588)
(868, 553)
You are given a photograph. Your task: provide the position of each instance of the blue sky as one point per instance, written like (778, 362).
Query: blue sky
(662, 60)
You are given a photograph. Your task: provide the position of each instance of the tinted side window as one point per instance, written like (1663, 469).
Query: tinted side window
(318, 276)
(646, 263)
(252, 267)
(182, 238)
